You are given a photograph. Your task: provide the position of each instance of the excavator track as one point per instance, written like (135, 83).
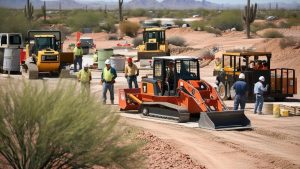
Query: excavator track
(165, 111)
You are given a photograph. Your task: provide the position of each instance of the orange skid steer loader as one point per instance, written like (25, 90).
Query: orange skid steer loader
(176, 92)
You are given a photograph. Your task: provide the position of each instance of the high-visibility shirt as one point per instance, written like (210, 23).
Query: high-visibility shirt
(78, 51)
(218, 66)
(130, 71)
(95, 58)
(84, 75)
(107, 75)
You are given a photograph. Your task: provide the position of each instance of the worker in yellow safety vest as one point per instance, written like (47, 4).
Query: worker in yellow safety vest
(78, 52)
(84, 76)
(218, 64)
(108, 77)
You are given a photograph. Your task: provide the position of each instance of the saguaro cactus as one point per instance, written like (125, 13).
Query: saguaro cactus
(249, 15)
(44, 10)
(120, 10)
(28, 11)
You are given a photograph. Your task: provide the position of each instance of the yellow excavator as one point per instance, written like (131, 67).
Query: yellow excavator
(44, 54)
(154, 44)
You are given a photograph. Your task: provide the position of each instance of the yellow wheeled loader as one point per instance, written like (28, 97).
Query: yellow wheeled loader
(154, 44)
(44, 54)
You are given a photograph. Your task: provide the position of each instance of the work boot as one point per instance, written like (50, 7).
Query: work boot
(112, 101)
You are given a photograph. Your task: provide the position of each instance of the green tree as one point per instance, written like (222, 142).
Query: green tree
(43, 127)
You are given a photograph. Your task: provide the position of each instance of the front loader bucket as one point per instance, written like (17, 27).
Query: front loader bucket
(225, 120)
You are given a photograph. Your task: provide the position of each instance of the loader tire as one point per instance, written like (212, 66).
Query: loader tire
(223, 91)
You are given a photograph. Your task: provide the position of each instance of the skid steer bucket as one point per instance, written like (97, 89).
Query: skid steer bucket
(225, 120)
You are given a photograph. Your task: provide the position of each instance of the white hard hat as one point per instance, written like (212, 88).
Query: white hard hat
(242, 76)
(86, 65)
(261, 78)
(107, 62)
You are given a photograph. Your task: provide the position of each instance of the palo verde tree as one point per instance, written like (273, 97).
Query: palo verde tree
(44, 10)
(249, 15)
(121, 10)
(28, 10)
(60, 127)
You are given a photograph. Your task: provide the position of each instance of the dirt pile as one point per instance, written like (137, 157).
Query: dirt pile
(162, 155)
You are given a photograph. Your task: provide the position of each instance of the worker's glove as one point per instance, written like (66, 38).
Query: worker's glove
(126, 76)
(137, 74)
(113, 81)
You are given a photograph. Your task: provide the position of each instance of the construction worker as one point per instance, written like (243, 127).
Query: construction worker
(240, 87)
(258, 65)
(259, 90)
(264, 65)
(131, 73)
(84, 76)
(108, 77)
(170, 75)
(218, 64)
(78, 52)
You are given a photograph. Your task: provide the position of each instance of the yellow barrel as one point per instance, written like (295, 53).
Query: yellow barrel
(284, 112)
(276, 110)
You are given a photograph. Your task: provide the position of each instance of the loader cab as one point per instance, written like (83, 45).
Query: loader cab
(168, 70)
(44, 42)
(154, 35)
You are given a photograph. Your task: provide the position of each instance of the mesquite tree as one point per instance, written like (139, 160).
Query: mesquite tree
(120, 10)
(249, 15)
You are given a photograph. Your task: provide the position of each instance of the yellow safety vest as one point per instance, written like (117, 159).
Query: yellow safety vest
(107, 75)
(84, 76)
(218, 66)
(78, 51)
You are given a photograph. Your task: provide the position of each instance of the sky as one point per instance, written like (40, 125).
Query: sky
(223, 1)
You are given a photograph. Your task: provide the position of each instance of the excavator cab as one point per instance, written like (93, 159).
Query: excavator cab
(177, 92)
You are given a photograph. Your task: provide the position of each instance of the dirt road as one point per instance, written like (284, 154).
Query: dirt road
(273, 143)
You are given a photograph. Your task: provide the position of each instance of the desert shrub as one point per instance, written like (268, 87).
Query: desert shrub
(129, 28)
(288, 41)
(177, 41)
(112, 37)
(293, 22)
(13, 20)
(136, 13)
(227, 20)
(196, 25)
(179, 22)
(137, 41)
(272, 34)
(260, 26)
(79, 19)
(215, 31)
(59, 127)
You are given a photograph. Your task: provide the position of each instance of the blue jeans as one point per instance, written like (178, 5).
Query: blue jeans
(110, 88)
(259, 103)
(78, 59)
(239, 100)
(131, 79)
